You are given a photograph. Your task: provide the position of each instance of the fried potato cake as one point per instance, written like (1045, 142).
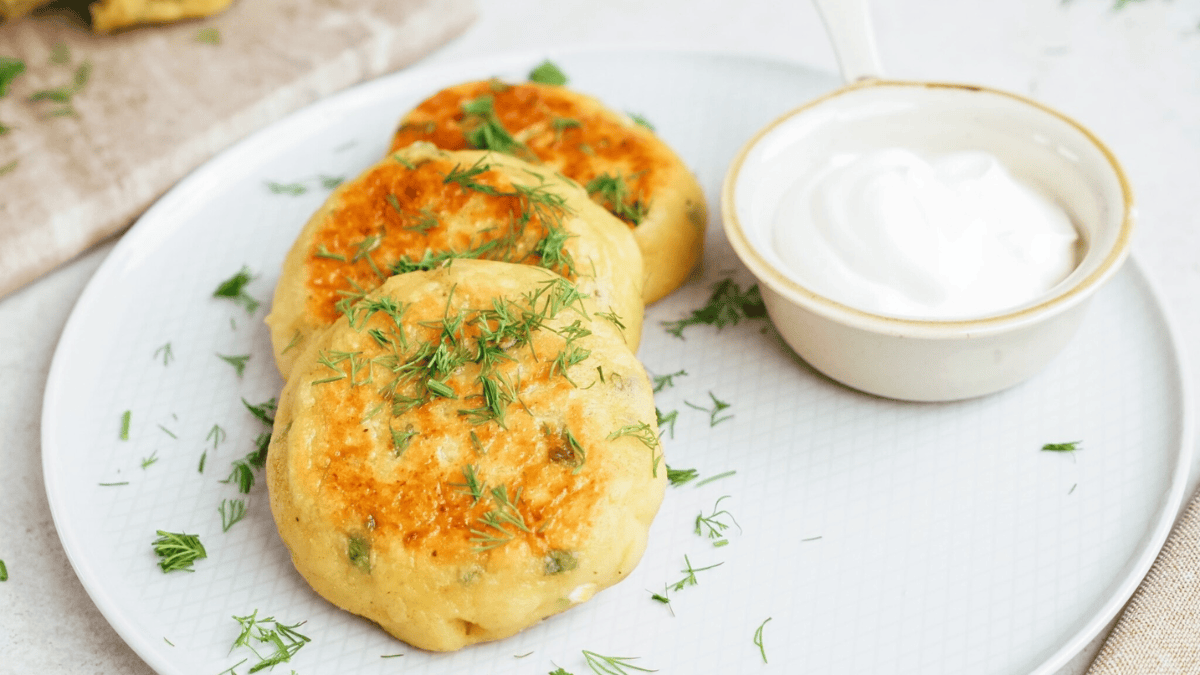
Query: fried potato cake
(623, 165)
(468, 451)
(422, 206)
(111, 15)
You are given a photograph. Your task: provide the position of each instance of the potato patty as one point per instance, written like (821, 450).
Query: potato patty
(467, 451)
(623, 165)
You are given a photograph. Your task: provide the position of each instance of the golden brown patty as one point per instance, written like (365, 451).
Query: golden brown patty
(624, 166)
(421, 205)
(110, 15)
(469, 451)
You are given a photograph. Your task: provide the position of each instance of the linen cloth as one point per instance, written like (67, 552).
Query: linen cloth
(1159, 631)
(160, 100)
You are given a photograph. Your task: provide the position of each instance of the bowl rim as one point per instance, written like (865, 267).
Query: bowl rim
(1065, 298)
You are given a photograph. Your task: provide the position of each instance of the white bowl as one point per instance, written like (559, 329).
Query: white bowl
(929, 360)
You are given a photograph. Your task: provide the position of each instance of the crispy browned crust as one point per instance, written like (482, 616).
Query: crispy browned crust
(111, 15)
(542, 117)
(404, 208)
(395, 534)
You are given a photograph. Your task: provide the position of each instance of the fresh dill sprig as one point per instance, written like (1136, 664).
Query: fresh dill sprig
(147, 461)
(234, 288)
(758, 639)
(504, 512)
(613, 665)
(689, 572)
(238, 361)
(125, 419)
(178, 551)
(1070, 446)
(612, 193)
(471, 484)
(714, 413)
(484, 131)
(284, 640)
(231, 510)
(165, 350)
(712, 525)
(547, 72)
(666, 421)
(168, 432)
(264, 412)
(717, 477)
(242, 475)
(727, 306)
(664, 381)
(677, 477)
(644, 433)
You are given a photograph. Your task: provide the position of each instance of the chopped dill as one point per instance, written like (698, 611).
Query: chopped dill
(125, 418)
(667, 420)
(165, 350)
(714, 413)
(727, 305)
(178, 551)
(712, 526)
(612, 193)
(758, 639)
(1070, 446)
(547, 72)
(330, 182)
(677, 477)
(234, 288)
(283, 638)
(484, 131)
(641, 121)
(10, 68)
(689, 578)
(664, 381)
(168, 432)
(147, 461)
(209, 35)
(238, 362)
(124, 482)
(613, 665)
(717, 477)
(292, 189)
(264, 412)
(232, 511)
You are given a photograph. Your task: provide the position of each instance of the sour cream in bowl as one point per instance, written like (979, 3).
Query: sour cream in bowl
(926, 241)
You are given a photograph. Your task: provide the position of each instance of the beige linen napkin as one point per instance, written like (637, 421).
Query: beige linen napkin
(160, 100)
(1159, 632)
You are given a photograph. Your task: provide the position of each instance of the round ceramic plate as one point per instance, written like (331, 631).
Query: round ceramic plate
(875, 536)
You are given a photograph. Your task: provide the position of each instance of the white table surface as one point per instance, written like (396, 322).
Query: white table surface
(1131, 75)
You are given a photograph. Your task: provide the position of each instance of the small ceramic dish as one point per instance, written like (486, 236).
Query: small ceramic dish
(915, 359)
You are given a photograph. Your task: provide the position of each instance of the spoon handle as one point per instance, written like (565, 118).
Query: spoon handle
(848, 23)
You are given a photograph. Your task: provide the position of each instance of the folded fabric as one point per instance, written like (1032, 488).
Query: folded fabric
(121, 118)
(1159, 632)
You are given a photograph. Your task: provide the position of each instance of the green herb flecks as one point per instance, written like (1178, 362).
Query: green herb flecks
(484, 131)
(8, 168)
(3, 571)
(1070, 446)
(689, 572)
(714, 413)
(125, 419)
(401, 439)
(330, 182)
(283, 640)
(291, 189)
(231, 510)
(644, 433)
(238, 362)
(358, 552)
(209, 35)
(168, 432)
(234, 288)
(147, 461)
(264, 412)
(758, 639)
(65, 94)
(165, 351)
(666, 421)
(677, 477)
(558, 561)
(124, 482)
(547, 72)
(664, 381)
(717, 477)
(323, 252)
(241, 475)
(641, 121)
(713, 526)
(10, 69)
(613, 665)
(612, 193)
(504, 512)
(471, 485)
(178, 551)
(727, 306)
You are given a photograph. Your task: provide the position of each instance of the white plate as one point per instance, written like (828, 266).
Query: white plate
(878, 536)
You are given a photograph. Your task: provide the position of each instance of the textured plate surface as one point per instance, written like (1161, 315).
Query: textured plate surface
(877, 536)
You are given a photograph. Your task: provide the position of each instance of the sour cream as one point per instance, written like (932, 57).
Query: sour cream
(952, 236)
